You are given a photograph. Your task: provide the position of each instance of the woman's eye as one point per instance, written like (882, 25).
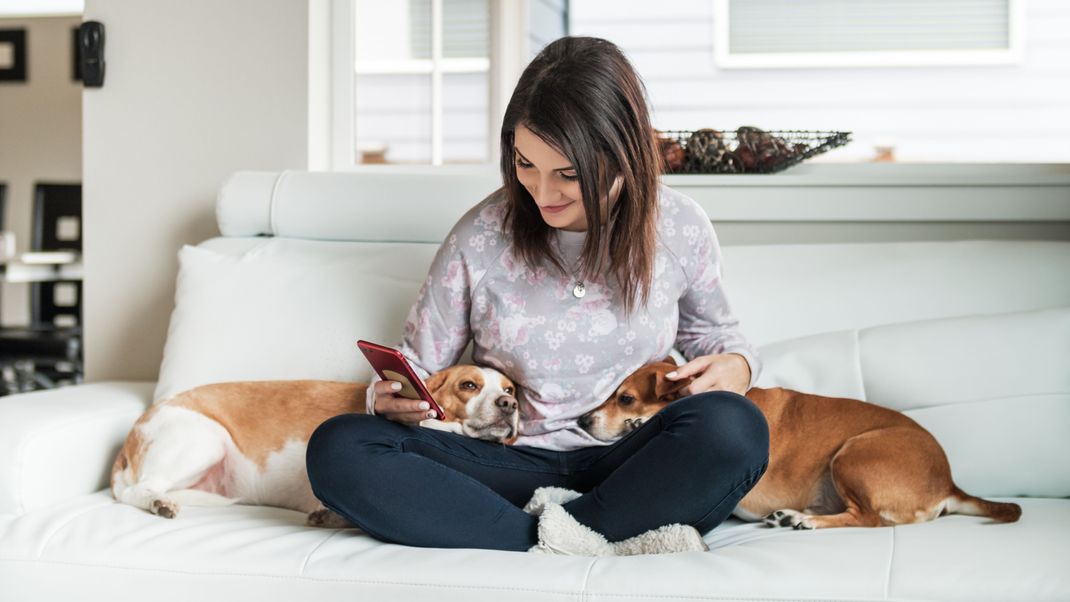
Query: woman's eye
(522, 165)
(571, 178)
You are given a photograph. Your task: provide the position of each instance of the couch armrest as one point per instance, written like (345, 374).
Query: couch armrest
(60, 443)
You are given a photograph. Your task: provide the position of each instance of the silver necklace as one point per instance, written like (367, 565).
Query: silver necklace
(579, 290)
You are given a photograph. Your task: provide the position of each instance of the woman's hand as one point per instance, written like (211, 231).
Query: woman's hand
(397, 408)
(717, 372)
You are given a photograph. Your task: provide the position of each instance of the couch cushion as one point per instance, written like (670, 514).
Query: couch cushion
(286, 309)
(267, 554)
(993, 389)
(780, 292)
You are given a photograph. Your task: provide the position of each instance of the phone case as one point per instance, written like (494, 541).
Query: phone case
(390, 364)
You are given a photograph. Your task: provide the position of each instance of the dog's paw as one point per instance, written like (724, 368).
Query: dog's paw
(788, 518)
(164, 508)
(326, 519)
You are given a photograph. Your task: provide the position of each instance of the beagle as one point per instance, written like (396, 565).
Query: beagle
(833, 462)
(244, 442)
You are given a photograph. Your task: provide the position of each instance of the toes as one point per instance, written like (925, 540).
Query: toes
(788, 518)
(164, 508)
(778, 518)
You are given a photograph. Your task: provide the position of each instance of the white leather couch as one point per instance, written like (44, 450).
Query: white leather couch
(972, 339)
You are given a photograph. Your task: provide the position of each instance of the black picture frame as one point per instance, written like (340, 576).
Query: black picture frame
(17, 39)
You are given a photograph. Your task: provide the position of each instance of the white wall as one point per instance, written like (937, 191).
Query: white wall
(1016, 113)
(40, 135)
(193, 91)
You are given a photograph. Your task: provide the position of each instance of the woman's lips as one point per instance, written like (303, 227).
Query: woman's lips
(555, 209)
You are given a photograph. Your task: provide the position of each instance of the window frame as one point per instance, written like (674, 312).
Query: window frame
(503, 67)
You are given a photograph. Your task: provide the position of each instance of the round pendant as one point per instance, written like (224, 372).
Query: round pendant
(579, 291)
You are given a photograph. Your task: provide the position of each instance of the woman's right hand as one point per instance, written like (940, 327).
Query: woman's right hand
(397, 408)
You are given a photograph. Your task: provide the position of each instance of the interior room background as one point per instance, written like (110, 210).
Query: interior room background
(256, 89)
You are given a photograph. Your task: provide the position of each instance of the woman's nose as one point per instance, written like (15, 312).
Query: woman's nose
(546, 194)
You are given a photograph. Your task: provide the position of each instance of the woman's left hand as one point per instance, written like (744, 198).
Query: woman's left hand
(717, 372)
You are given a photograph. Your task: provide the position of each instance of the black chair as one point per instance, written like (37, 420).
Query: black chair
(48, 353)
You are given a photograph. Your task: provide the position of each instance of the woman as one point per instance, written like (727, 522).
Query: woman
(580, 171)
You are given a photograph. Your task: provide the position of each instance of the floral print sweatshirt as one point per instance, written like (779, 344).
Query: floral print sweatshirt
(567, 355)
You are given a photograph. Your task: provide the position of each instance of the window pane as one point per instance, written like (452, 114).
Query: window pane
(763, 26)
(464, 126)
(465, 28)
(393, 117)
(393, 31)
(421, 28)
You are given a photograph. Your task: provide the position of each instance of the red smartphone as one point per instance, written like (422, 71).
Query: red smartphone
(389, 364)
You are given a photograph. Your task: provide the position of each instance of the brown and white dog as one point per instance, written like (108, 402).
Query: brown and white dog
(244, 442)
(833, 462)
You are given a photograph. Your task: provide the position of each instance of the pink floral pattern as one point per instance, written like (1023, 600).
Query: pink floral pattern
(567, 355)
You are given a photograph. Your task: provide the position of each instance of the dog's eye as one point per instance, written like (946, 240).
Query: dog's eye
(626, 400)
(468, 385)
(509, 390)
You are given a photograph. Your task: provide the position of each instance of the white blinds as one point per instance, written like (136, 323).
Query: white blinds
(788, 26)
(465, 28)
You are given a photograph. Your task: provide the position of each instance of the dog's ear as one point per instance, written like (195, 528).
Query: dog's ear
(666, 389)
(435, 382)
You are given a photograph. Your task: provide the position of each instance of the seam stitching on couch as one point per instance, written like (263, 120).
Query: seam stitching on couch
(891, 557)
(271, 203)
(858, 362)
(570, 594)
(961, 402)
(292, 577)
(584, 594)
(304, 563)
(70, 519)
(19, 502)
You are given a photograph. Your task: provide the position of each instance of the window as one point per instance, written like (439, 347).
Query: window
(842, 33)
(427, 81)
(422, 81)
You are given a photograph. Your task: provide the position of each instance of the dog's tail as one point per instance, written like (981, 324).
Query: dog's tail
(960, 502)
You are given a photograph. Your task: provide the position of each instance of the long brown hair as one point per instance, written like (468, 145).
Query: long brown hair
(583, 98)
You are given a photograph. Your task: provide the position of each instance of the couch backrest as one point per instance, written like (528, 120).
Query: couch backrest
(777, 291)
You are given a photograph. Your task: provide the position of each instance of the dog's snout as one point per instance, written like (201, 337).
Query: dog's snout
(506, 404)
(584, 421)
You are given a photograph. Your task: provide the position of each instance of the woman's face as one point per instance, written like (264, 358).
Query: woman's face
(552, 182)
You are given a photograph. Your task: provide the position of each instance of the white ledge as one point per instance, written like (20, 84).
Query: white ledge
(860, 192)
(892, 174)
(886, 192)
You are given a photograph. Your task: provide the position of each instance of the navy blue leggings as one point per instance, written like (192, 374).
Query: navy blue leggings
(690, 463)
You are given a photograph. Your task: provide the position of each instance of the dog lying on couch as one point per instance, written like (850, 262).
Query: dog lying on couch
(833, 462)
(245, 442)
